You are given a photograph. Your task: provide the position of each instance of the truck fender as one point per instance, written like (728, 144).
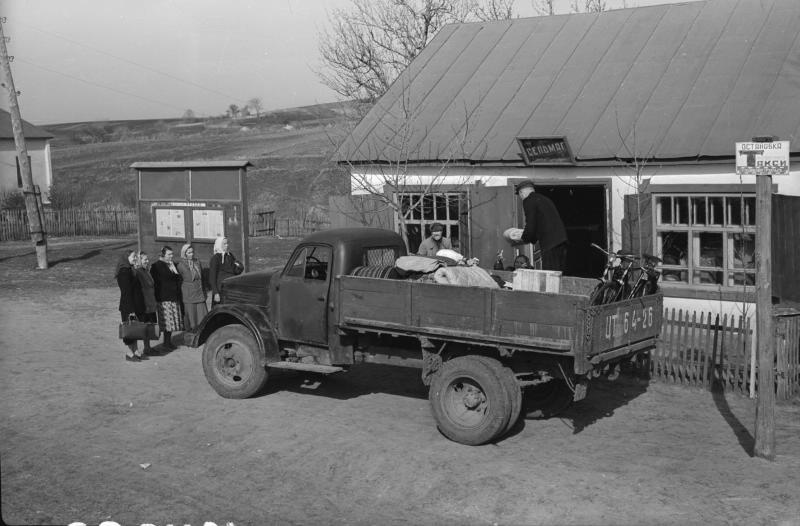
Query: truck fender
(252, 317)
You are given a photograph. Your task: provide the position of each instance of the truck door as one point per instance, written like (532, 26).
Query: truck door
(303, 295)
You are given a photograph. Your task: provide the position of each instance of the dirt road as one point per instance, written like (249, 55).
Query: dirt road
(85, 436)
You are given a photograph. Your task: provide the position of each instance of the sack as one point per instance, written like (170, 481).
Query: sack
(134, 329)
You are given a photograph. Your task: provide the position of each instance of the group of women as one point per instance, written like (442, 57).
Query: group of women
(171, 294)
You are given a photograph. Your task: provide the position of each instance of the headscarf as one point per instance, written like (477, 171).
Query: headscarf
(218, 246)
(190, 262)
(123, 262)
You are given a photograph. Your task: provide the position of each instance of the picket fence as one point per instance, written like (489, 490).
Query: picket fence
(714, 352)
(70, 222)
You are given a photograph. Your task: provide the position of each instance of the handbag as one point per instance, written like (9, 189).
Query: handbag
(133, 329)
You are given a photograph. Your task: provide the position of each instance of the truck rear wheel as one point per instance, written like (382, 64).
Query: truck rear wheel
(232, 364)
(469, 402)
(509, 381)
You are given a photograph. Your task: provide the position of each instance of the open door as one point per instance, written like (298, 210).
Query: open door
(491, 212)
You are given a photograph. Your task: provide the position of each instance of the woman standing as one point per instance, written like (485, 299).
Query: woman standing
(192, 289)
(167, 281)
(131, 300)
(142, 272)
(223, 264)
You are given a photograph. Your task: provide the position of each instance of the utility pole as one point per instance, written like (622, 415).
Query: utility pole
(33, 204)
(765, 332)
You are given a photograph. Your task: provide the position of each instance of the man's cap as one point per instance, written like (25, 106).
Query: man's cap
(524, 184)
(437, 227)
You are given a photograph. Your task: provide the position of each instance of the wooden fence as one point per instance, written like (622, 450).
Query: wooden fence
(715, 353)
(70, 222)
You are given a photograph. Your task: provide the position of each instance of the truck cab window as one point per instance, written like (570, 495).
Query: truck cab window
(310, 262)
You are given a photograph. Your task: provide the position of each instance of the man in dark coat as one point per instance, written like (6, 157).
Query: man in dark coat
(543, 224)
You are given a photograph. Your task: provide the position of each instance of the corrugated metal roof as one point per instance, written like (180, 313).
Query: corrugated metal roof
(29, 130)
(668, 82)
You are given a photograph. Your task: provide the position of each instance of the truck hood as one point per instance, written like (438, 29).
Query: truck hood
(251, 288)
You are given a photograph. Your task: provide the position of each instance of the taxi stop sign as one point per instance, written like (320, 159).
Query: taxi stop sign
(762, 158)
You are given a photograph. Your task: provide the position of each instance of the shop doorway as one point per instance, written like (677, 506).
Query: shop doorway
(583, 210)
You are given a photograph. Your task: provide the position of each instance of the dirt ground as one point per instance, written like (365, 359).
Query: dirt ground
(88, 437)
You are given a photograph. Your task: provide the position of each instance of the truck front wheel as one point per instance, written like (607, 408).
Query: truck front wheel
(469, 402)
(232, 364)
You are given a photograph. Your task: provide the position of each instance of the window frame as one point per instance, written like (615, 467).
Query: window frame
(418, 217)
(694, 229)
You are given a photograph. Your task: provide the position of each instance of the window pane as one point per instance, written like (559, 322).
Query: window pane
(416, 213)
(674, 248)
(744, 250)
(682, 210)
(735, 212)
(742, 278)
(427, 207)
(297, 267)
(441, 207)
(454, 236)
(699, 210)
(452, 204)
(709, 253)
(664, 214)
(715, 211)
(749, 210)
(708, 277)
(414, 233)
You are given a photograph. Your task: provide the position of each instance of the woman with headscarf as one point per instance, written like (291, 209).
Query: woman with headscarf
(223, 264)
(167, 281)
(192, 290)
(131, 300)
(142, 272)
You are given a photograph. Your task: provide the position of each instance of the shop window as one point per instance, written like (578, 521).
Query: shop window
(706, 239)
(421, 210)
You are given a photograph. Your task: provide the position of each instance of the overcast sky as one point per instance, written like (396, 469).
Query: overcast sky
(86, 60)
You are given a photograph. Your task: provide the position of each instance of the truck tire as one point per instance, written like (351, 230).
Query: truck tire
(469, 402)
(509, 381)
(547, 400)
(232, 363)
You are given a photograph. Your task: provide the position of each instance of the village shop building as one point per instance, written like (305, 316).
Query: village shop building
(627, 119)
(37, 141)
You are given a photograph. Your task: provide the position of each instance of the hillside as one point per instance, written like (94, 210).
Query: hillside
(289, 149)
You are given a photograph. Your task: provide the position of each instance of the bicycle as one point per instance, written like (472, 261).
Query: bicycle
(613, 284)
(647, 282)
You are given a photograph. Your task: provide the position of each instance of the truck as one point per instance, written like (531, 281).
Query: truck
(338, 302)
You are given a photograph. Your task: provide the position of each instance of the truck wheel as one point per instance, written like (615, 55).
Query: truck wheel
(509, 381)
(232, 364)
(547, 400)
(469, 402)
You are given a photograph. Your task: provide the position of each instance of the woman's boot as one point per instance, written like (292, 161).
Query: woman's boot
(168, 340)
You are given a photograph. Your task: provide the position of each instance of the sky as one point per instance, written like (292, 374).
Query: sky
(91, 60)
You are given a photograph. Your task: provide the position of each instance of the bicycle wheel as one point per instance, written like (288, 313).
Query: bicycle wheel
(610, 293)
(596, 297)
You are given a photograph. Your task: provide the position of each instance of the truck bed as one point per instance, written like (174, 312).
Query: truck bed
(561, 323)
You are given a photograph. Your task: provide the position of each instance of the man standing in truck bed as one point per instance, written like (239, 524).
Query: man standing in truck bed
(543, 224)
(435, 242)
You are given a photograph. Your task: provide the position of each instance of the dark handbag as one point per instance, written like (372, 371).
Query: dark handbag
(134, 329)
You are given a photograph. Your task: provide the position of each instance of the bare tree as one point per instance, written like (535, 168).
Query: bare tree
(369, 44)
(233, 111)
(589, 6)
(188, 114)
(255, 105)
(544, 7)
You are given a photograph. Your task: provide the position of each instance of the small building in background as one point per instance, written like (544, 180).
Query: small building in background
(38, 143)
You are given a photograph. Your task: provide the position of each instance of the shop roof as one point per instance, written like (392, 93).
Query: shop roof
(671, 82)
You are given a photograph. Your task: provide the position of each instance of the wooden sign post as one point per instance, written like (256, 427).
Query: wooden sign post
(764, 157)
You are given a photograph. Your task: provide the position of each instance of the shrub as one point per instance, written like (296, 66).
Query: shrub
(12, 200)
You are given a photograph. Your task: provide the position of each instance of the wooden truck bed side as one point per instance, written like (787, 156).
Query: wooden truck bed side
(561, 324)
(526, 320)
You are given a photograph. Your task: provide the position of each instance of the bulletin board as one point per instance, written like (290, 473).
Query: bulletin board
(193, 202)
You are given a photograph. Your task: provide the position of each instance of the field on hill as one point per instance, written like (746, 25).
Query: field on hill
(290, 151)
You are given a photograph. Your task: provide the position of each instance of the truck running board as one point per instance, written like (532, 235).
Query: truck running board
(311, 367)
